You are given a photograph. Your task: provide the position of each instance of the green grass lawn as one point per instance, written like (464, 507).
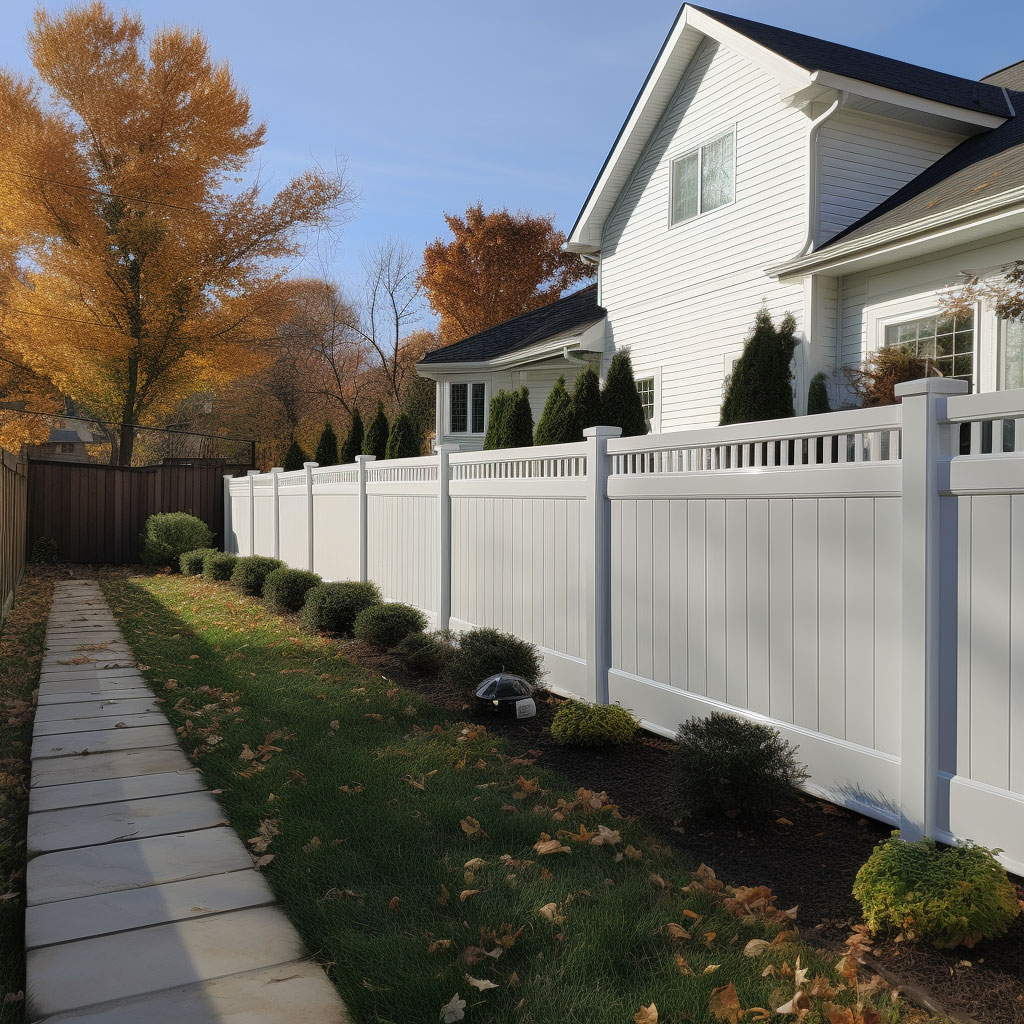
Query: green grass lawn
(21, 652)
(403, 844)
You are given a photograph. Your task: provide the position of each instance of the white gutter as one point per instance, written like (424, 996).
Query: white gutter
(813, 175)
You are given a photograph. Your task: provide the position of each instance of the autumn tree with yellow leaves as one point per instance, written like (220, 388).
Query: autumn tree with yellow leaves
(140, 267)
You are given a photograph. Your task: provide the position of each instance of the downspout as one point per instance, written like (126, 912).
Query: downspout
(812, 173)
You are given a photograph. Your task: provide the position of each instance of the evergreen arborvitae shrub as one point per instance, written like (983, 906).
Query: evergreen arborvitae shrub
(353, 443)
(376, 440)
(761, 384)
(419, 404)
(168, 535)
(517, 427)
(251, 571)
(501, 405)
(817, 395)
(425, 653)
(191, 562)
(620, 400)
(295, 457)
(946, 895)
(586, 401)
(579, 724)
(557, 425)
(285, 589)
(326, 447)
(333, 607)
(484, 652)
(404, 439)
(387, 624)
(728, 763)
(219, 565)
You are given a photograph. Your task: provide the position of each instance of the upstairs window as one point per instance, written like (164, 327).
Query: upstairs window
(703, 179)
(645, 389)
(467, 408)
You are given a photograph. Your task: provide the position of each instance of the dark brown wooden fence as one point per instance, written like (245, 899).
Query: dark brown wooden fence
(95, 513)
(13, 509)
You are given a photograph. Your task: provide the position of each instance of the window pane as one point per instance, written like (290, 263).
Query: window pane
(478, 409)
(716, 173)
(645, 389)
(1011, 341)
(948, 341)
(459, 398)
(684, 187)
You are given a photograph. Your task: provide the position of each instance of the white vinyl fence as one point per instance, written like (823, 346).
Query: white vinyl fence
(855, 579)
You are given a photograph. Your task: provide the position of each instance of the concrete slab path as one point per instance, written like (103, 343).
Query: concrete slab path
(143, 905)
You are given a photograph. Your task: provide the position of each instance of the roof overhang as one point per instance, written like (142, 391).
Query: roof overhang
(798, 87)
(581, 339)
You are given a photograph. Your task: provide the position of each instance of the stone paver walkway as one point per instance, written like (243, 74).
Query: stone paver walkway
(143, 905)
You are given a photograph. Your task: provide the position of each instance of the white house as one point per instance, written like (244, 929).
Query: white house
(759, 165)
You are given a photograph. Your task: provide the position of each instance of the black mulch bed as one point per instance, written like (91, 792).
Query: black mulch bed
(810, 862)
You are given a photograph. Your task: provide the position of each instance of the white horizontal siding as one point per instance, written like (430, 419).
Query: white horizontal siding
(684, 298)
(864, 159)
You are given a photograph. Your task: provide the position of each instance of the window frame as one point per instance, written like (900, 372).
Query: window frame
(654, 376)
(469, 384)
(699, 150)
(910, 310)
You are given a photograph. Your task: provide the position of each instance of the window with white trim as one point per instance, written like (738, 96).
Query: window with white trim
(645, 389)
(948, 341)
(703, 179)
(1011, 354)
(467, 409)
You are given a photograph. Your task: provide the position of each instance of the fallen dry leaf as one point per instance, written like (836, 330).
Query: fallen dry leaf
(755, 947)
(725, 1004)
(453, 1010)
(550, 911)
(646, 1015)
(481, 984)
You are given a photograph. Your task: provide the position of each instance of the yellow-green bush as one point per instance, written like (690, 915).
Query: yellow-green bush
(945, 895)
(578, 724)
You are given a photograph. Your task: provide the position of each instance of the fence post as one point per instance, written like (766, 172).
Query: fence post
(444, 547)
(929, 640)
(599, 563)
(275, 472)
(309, 467)
(361, 461)
(252, 511)
(227, 511)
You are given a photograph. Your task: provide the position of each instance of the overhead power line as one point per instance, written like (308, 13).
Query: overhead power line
(99, 191)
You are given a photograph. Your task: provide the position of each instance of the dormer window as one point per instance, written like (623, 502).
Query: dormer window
(703, 179)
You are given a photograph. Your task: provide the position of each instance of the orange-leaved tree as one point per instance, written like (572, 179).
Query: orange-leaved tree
(148, 269)
(497, 266)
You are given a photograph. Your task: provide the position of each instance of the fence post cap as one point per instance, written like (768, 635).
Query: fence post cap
(366, 458)
(277, 469)
(448, 446)
(311, 465)
(602, 431)
(252, 472)
(932, 386)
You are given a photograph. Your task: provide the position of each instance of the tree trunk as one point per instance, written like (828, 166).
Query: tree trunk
(126, 444)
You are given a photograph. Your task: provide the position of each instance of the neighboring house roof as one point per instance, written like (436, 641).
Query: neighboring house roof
(64, 436)
(574, 311)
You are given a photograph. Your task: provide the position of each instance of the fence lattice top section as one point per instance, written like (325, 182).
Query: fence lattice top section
(336, 475)
(989, 424)
(547, 462)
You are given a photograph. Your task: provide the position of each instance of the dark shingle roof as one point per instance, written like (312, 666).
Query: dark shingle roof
(577, 310)
(981, 167)
(818, 55)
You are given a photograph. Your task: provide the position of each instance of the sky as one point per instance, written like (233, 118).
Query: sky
(435, 105)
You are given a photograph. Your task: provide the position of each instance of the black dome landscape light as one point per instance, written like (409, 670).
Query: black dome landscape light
(508, 694)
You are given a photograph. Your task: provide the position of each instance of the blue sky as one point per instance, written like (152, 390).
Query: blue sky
(436, 105)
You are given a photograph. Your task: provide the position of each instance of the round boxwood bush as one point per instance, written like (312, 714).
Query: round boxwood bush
(251, 572)
(44, 550)
(168, 535)
(947, 895)
(484, 652)
(385, 625)
(579, 724)
(192, 561)
(219, 565)
(728, 763)
(285, 589)
(425, 653)
(333, 607)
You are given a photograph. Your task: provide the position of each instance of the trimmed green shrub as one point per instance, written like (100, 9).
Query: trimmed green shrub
(251, 572)
(219, 565)
(557, 425)
(517, 425)
(817, 395)
(44, 550)
(168, 535)
(191, 562)
(483, 652)
(620, 400)
(376, 440)
(946, 895)
(285, 589)
(728, 764)
(579, 724)
(326, 447)
(333, 607)
(586, 401)
(425, 653)
(388, 624)
(404, 440)
(295, 458)
(760, 386)
(353, 443)
(501, 406)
